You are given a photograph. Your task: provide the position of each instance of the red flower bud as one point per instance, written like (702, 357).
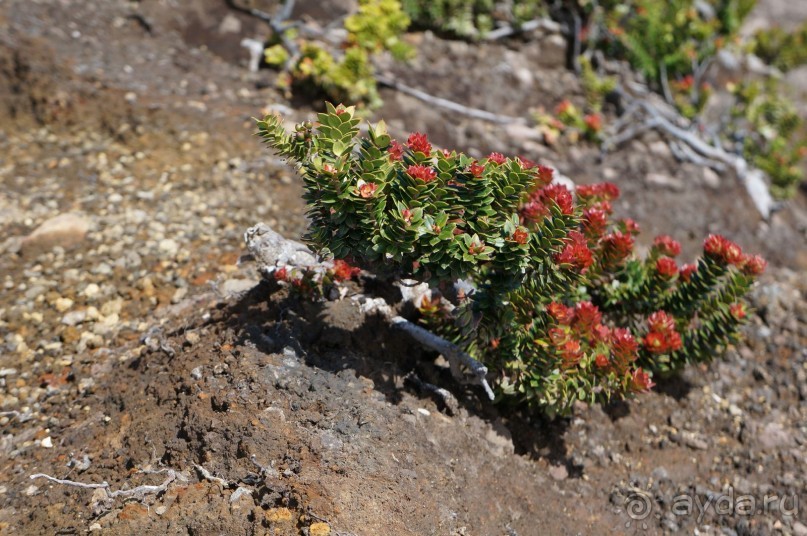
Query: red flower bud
(737, 310)
(342, 271)
(521, 235)
(576, 252)
(367, 189)
(640, 381)
(593, 122)
(666, 268)
(419, 143)
(476, 169)
(497, 158)
(395, 151)
(561, 313)
(665, 245)
(281, 274)
(544, 175)
(423, 173)
(754, 265)
(687, 270)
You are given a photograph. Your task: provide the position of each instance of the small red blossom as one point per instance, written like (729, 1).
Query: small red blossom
(570, 353)
(661, 321)
(558, 336)
(666, 268)
(328, 169)
(686, 271)
(616, 247)
(624, 347)
(564, 107)
(476, 169)
(754, 265)
(602, 361)
(562, 314)
(602, 191)
(497, 158)
(526, 163)
(640, 381)
(595, 221)
(593, 122)
(395, 151)
(544, 175)
(367, 189)
(419, 143)
(654, 342)
(533, 211)
(494, 343)
(576, 252)
(342, 271)
(447, 153)
(423, 173)
(560, 195)
(406, 214)
(587, 317)
(281, 274)
(521, 235)
(630, 226)
(665, 245)
(737, 310)
(723, 249)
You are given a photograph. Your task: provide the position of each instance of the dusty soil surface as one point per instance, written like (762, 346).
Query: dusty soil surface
(136, 350)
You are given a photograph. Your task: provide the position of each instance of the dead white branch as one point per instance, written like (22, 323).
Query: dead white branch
(453, 106)
(696, 149)
(207, 475)
(139, 492)
(535, 24)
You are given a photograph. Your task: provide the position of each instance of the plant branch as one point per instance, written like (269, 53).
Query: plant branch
(453, 106)
(752, 179)
(139, 491)
(529, 26)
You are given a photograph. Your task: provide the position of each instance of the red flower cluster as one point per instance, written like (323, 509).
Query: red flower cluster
(560, 195)
(754, 265)
(623, 348)
(536, 207)
(640, 381)
(521, 235)
(342, 271)
(595, 221)
(544, 175)
(567, 347)
(662, 337)
(666, 268)
(424, 173)
(687, 270)
(562, 314)
(476, 169)
(593, 122)
(367, 189)
(616, 247)
(576, 252)
(419, 143)
(602, 191)
(281, 274)
(395, 151)
(737, 310)
(723, 249)
(497, 158)
(665, 245)
(587, 318)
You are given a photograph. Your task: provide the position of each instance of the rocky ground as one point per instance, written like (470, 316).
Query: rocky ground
(136, 350)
